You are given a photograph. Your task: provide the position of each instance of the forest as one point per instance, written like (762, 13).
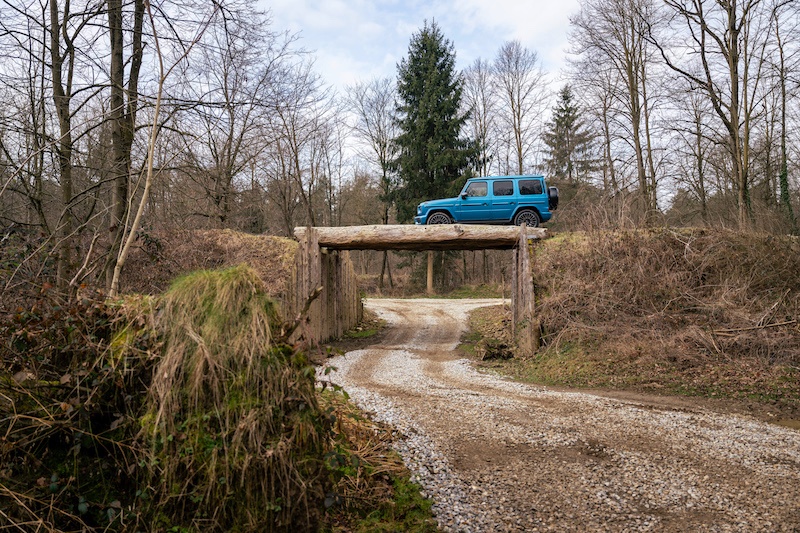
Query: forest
(145, 141)
(120, 120)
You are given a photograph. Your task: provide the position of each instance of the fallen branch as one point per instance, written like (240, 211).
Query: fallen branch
(289, 329)
(733, 331)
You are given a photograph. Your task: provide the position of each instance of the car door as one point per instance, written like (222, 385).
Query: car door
(474, 204)
(503, 200)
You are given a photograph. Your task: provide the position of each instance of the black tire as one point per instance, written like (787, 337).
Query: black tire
(439, 217)
(528, 216)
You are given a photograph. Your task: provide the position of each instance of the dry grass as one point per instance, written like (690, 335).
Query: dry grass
(705, 311)
(372, 490)
(235, 432)
(362, 455)
(159, 258)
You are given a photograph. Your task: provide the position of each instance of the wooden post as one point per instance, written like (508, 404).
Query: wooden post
(524, 326)
(430, 272)
(338, 306)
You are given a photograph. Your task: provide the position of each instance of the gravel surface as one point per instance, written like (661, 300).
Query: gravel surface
(495, 455)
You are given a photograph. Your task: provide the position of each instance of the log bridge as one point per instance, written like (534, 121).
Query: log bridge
(323, 262)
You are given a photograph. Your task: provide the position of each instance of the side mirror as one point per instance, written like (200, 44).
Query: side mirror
(463, 196)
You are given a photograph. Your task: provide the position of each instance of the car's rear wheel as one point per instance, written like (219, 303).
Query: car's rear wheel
(440, 218)
(527, 216)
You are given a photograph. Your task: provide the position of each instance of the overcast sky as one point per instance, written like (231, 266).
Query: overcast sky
(356, 40)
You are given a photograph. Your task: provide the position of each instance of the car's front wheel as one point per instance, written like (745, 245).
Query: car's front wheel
(527, 216)
(440, 218)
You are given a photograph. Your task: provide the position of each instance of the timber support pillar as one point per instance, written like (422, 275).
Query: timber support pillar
(338, 306)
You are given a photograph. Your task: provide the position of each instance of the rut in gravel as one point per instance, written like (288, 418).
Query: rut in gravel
(502, 456)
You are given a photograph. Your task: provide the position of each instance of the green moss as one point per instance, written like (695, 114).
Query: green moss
(361, 333)
(408, 512)
(232, 421)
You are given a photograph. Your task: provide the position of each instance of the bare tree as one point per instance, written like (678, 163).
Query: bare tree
(612, 32)
(24, 128)
(693, 138)
(722, 54)
(597, 88)
(242, 71)
(124, 104)
(787, 14)
(181, 51)
(480, 99)
(521, 93)
(64, 28)
(373, 105)
(336, 160)
(299, 115)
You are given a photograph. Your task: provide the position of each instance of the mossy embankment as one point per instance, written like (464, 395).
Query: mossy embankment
(184, 411)
(692, 312)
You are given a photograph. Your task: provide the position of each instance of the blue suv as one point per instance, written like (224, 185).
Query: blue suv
(494, 200)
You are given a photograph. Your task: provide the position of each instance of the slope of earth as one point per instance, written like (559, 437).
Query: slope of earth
(158, 258)
(695, 312)
(502, 456)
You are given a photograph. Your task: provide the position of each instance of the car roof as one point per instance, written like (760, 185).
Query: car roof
(522, 176)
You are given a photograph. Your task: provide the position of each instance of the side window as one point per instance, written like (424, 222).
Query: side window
(477, 188)
(530, 187)
(503, 188)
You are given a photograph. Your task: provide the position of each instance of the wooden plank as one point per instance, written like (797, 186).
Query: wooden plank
(413, 237)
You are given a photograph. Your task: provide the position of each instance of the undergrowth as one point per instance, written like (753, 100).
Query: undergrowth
(182, 412)
(73, 376)
(372, 488)
(693, 311)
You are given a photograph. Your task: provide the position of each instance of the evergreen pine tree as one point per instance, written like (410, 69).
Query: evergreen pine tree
(569, 142)
(431, 152)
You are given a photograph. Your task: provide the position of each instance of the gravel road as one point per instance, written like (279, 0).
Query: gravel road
(495, 455)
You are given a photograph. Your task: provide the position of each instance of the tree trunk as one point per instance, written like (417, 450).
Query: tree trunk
(419, 238)
(61, 99)
(122, 118)
(783, 180)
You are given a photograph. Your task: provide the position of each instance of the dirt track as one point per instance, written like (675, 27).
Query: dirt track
(503, 456)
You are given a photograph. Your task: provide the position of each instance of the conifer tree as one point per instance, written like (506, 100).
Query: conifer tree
(431, 152)
(569, 142)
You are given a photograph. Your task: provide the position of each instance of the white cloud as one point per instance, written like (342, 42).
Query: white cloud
(361, 39)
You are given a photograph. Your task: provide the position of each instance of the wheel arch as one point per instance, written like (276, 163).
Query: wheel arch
(444, 210)
(526, 208)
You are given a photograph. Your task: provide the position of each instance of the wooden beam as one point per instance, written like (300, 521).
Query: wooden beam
(413, 237)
